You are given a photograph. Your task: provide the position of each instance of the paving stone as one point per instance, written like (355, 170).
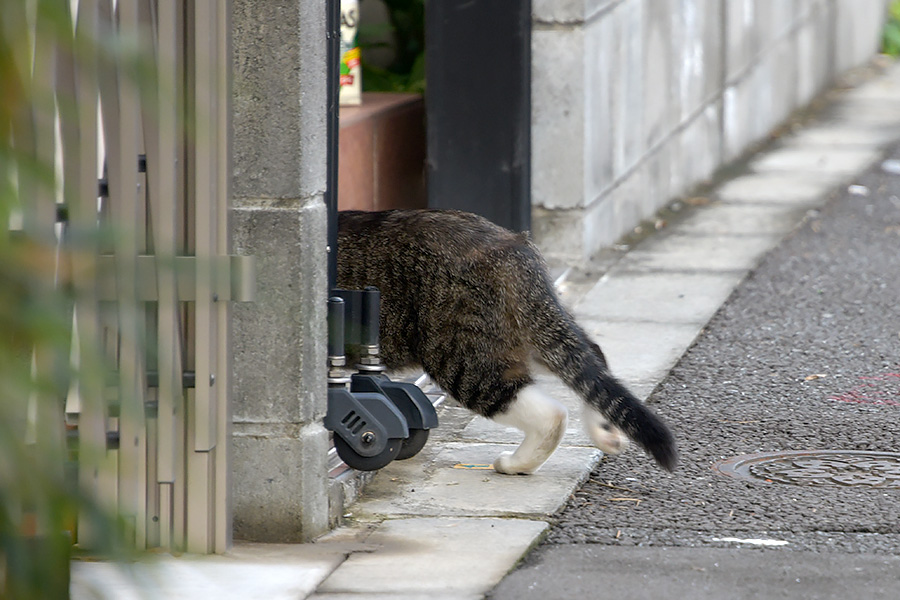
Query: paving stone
(885, 89)
(699, 253)
(834, 164)
(661, 297)
(641, 353)
(435, 558)
(869, 111)
(741, 219)
(841, 134)
(442, 489)
(776, 188)
(248, 572)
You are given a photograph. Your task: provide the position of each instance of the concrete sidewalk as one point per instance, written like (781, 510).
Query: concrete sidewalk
(443, 524)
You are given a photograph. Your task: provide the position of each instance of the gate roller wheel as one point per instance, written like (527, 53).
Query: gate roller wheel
(367, 463)
(414, 443)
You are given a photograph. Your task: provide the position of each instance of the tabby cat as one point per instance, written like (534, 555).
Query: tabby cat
(472, 304)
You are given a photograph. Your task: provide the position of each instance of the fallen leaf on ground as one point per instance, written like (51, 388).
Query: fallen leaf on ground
(636, 501)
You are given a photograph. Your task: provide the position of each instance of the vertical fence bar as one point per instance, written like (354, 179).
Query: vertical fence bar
(39, 222)
(160, 130)
(332, 129)
(177, 490)
(201, 416)
(126, 219)
(149, 135)
(206, 222)
(81, 194)
(222, 492)
(110, 485)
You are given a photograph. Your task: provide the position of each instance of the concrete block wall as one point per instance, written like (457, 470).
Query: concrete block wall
(280, 481)
(635, 101)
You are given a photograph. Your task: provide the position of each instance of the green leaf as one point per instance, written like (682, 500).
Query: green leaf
(891, 39)
(417, 74)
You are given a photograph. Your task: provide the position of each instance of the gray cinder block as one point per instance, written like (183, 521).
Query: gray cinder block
(669, 92)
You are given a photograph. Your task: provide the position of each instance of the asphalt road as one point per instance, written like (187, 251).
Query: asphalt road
(805, 355)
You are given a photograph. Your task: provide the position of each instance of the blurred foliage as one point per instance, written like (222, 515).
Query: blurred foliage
(890, 40)
(39, 498)
(406, 27)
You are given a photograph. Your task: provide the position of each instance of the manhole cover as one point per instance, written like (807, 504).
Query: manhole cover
(819, 467)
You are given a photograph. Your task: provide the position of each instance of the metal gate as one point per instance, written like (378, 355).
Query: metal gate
(147, 255)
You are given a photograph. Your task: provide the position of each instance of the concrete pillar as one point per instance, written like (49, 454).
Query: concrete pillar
(278, 215)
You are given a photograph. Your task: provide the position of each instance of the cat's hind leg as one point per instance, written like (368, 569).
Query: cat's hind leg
(543, 420)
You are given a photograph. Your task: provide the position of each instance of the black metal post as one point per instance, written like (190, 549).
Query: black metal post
(478, 107)
(333, 78)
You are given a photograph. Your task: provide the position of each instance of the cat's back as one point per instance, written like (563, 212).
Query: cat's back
(431, 229)
(410, 239)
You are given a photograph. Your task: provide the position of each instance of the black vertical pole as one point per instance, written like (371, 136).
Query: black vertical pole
(333, 78)
(478, 106)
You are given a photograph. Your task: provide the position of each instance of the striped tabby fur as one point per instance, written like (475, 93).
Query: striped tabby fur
(472, 304)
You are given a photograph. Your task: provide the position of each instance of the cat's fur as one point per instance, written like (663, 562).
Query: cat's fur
(473, 305)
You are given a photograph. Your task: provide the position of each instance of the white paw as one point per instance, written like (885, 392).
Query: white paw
(507, 465)
(612, 441)
(604, 434)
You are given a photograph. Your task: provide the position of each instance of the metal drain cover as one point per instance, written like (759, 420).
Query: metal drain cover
(817, 467)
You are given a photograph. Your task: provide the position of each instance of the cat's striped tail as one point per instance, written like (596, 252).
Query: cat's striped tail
(569, 353)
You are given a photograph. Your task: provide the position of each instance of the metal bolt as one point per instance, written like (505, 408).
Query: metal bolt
(367, 438)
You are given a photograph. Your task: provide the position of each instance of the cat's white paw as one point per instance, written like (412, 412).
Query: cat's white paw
(543, 420)
(604, 434)
(508, 465)
(613, 441)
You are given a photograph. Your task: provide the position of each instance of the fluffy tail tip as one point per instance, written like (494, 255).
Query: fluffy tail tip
(662, 448)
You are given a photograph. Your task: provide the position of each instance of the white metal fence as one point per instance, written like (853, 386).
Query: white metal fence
(152, 123)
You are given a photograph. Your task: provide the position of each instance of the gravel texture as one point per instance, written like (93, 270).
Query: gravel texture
(805, 355)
